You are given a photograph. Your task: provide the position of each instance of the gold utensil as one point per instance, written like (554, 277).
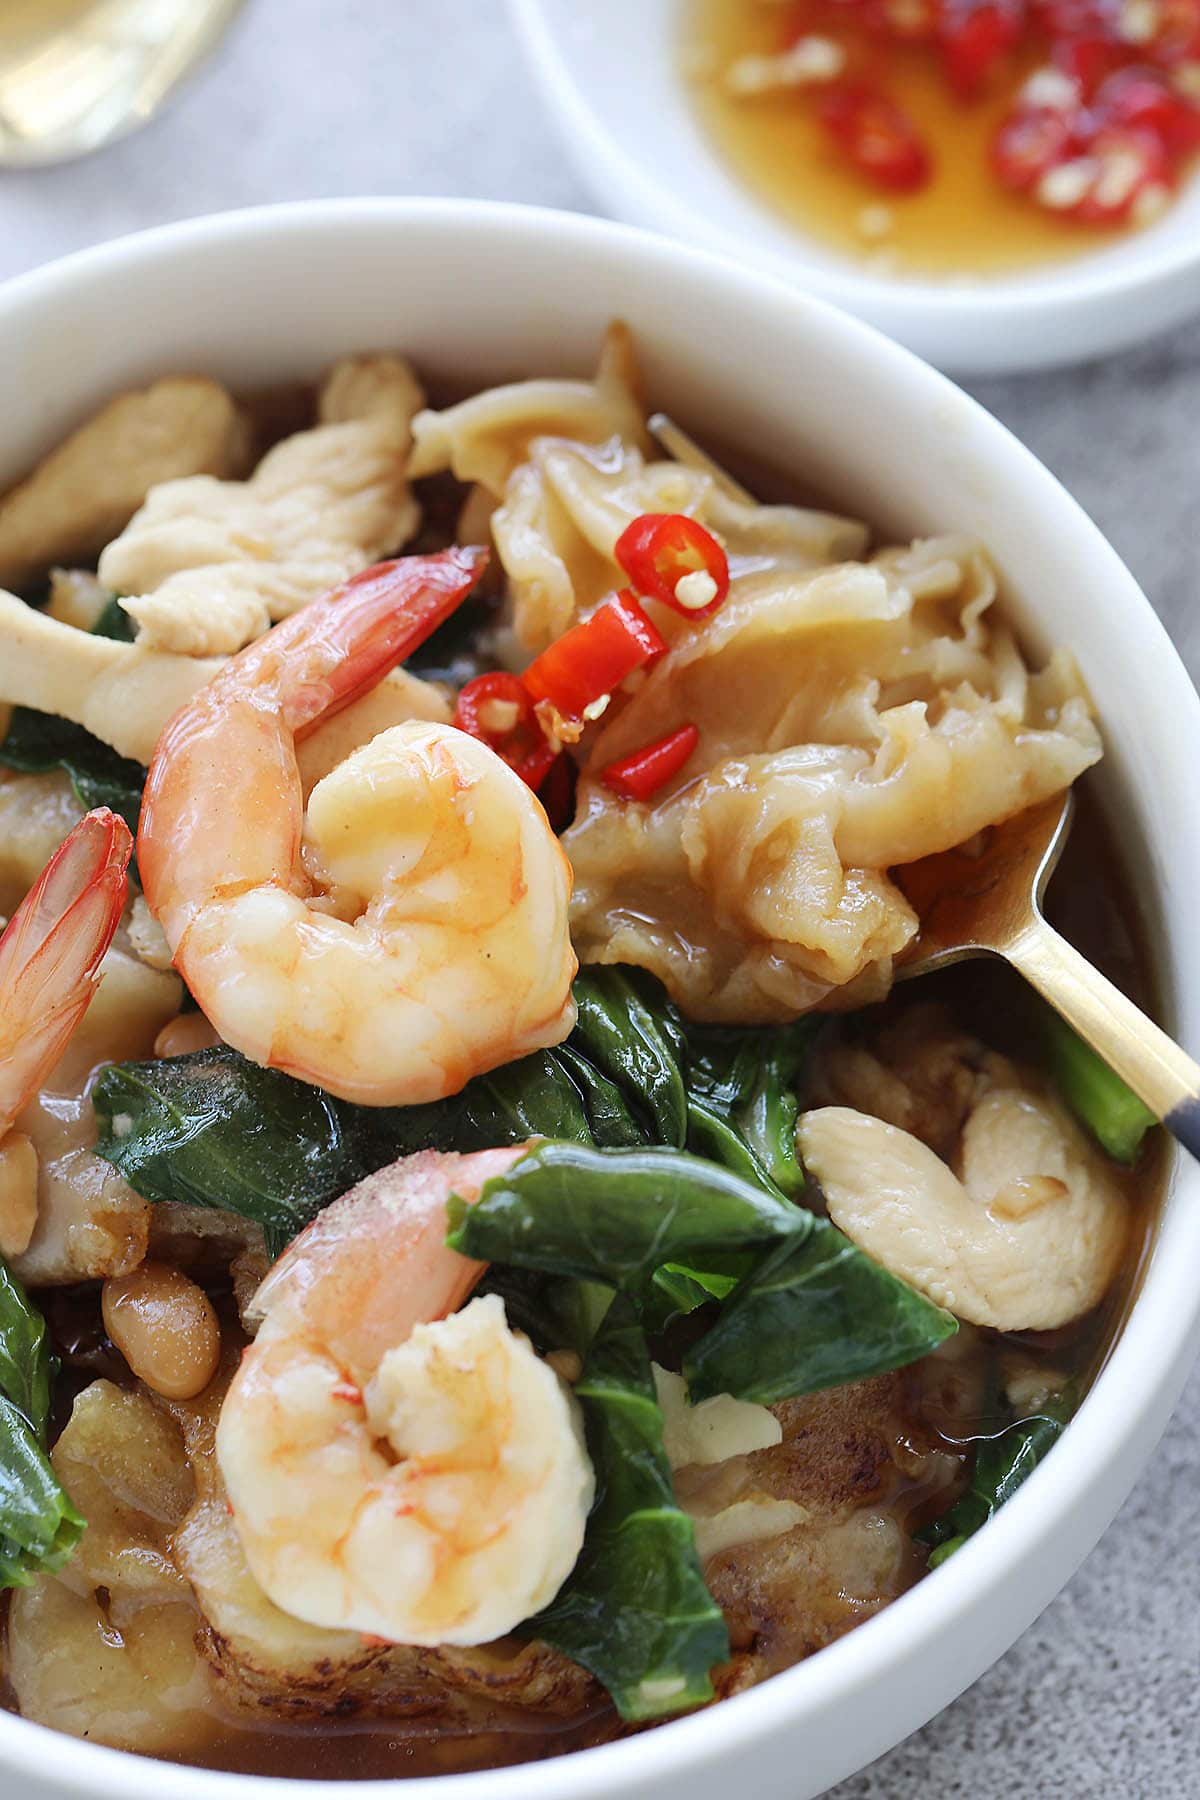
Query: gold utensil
(74, 74)
(990, 904)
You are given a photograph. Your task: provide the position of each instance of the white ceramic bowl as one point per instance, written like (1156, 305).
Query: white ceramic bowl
(478, 292)
(609, 71)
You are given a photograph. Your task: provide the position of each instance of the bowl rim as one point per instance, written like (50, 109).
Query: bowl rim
(1156, 1344)
(1076, 283)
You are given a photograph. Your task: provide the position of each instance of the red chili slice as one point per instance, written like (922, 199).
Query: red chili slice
(644, 772)
(1130, 166)
(1088, 61)
(593, 658)
(1030, 143)
(1144, 98)
(976, 36)
(497, 709)
(1104, 142)
(1079, 18)
(661, 550)
(796, 20)
(877, 136)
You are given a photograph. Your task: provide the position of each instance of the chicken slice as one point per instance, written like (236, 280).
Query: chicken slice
(89, 488)
(209, 565)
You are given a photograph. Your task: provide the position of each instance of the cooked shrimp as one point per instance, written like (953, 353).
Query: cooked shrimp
(392, 1469)
(50, 957)
(412, 931)
(51, 951)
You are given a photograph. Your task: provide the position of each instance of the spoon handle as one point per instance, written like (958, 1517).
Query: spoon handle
(1163, 1076)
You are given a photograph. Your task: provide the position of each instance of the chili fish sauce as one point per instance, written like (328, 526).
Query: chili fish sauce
(956, 137)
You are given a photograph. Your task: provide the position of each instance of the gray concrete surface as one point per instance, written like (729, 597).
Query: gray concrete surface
(323, 97)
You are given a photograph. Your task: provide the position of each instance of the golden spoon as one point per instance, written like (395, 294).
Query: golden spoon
(991, 905)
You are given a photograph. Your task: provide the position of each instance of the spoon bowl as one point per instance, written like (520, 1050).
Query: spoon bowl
(985, 899)
(977, 901)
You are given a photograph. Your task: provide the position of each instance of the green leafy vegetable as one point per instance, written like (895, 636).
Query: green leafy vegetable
(635, 1610)
(610, 1120)
(616, 1216)
(535, 1097)
(747, 1080)
(813, 1313)
(713, 1136)
(212, 1129)
(113, 621)
(39, 1527)
(803, 1308)
(1001, 1464)
(37, 742)
(554, 1314)
(1111, 1111)
(26, 1367)
(622, 1037)
(616, 1083)
(685, 1289)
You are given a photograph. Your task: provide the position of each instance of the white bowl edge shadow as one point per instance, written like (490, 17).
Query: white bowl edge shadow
(607, 70)
(484, 291)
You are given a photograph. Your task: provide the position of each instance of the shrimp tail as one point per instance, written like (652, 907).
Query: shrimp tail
(316, 662)
(289, 681)
(51, 951)
(378, 618)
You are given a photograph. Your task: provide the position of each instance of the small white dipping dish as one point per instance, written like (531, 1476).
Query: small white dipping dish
(610, 71)
(475, 294)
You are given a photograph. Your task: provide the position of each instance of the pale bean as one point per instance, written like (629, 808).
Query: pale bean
(18, 1192)
(165, 1328)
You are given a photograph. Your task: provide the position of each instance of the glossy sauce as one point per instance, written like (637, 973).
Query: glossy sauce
(963, 223)
(389, 1750)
